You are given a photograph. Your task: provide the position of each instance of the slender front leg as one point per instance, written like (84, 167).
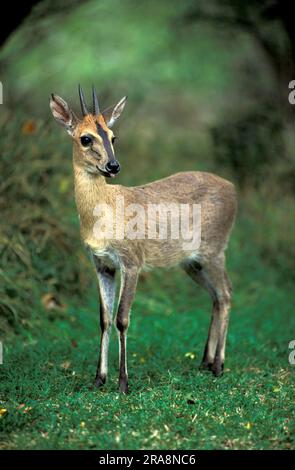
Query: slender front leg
(107, 292)
(128, 288)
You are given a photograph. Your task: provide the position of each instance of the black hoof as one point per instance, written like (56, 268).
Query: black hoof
(99, 381)
(217, 368)
(205, 366)
(123, 386)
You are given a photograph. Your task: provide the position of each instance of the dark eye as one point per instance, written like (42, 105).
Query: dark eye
(114, 138)
(86, 140)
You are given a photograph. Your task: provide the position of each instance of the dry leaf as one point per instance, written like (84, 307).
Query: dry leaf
(65, 365)
(50, 302)
(29, 127)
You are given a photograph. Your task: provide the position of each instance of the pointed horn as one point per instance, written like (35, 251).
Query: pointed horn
(82, 101)
(95, 102)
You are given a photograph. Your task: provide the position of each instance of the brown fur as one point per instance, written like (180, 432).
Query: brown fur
(205, 265)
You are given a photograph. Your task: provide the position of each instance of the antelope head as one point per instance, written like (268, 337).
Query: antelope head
(92, 135)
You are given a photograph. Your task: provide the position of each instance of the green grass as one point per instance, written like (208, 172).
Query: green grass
(48, 371)
(50, 355)
(181, 81)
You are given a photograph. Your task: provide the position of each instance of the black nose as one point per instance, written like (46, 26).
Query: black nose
(113, 167)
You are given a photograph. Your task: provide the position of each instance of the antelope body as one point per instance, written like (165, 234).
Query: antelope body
(93, 162)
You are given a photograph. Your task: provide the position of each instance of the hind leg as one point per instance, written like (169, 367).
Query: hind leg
(213, 277)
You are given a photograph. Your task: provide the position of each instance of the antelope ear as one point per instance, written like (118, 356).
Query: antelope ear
(111, 114)
(62, 113)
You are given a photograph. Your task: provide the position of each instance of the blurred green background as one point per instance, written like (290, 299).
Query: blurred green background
(208, 90)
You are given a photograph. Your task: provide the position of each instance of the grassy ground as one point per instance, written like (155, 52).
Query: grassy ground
(181, 81)
(48, 370)
(50, 354)
(49, 322)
